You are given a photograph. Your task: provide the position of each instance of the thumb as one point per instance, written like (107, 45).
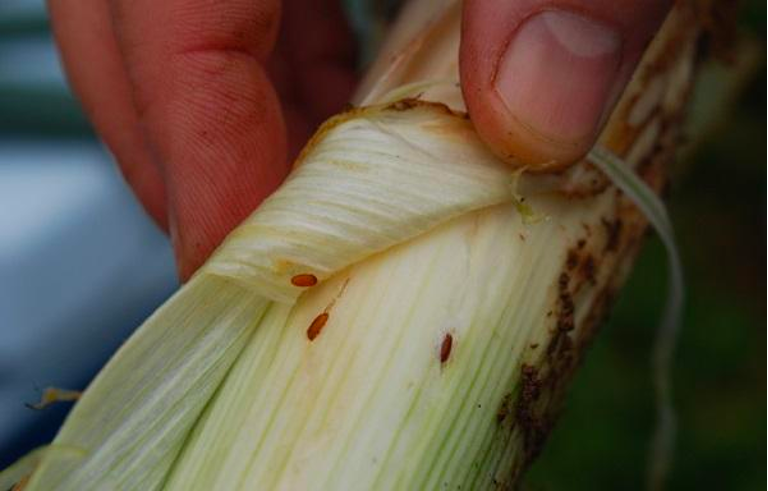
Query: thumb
(540, 77)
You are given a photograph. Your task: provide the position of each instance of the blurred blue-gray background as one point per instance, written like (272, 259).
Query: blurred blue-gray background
(81, 265)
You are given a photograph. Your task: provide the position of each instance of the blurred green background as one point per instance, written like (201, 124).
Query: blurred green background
(717, 202)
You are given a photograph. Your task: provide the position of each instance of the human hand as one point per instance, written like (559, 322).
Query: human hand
(179, 91)
(199, 104)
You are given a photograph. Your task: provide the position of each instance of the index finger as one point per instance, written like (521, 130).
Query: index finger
(211, 115)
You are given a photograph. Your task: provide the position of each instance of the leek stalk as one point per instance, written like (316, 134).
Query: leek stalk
(386, 319)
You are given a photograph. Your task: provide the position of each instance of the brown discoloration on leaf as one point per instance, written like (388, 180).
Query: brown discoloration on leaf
(588, 268)
(585, 266)
(565, 307)
(505, 408)
(533, 428)
(582, 264)
(542, 388)
(572, 260)
(612, 233)
(592, 271)
(408, 104)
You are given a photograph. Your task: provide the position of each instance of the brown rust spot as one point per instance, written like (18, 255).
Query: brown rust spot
(565, 320)
(588, 269)
(317, 325)
(304, 280)
(532, 426)
(572, 260)
(580, 268)
(612, 234)
(505, 408)
(445, 348)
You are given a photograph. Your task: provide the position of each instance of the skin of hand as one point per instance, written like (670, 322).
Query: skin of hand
(204, 102)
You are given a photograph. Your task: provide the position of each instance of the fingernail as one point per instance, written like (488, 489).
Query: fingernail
(557, 74)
